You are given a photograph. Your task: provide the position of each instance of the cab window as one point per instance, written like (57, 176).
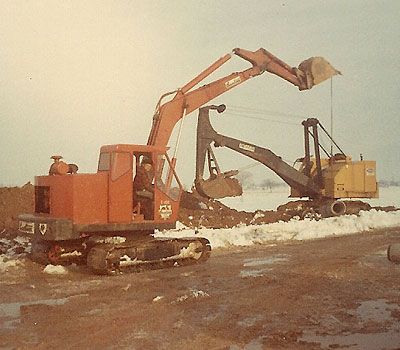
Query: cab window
(104, 162)
(120, 165)
(166, 178)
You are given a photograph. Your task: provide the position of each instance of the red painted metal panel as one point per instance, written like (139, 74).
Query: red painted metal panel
(120, 189)
(90, 198)
(81, 198)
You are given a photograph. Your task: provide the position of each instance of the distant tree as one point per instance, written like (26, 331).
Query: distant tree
(268, 184)
(246, 179)
(389, 183)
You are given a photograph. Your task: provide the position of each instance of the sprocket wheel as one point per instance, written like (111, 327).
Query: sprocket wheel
(54, 254)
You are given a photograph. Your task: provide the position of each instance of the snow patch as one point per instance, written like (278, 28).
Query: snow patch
(55, 270)
(193, 294)
(126, 288)
(114, 240)
(256, 216)
(22, 240)
(158, 298)
(6, 263)
(5, 241)
(203, 206)
(180, 226)
(189, 251)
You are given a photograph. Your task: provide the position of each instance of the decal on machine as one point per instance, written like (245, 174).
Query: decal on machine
(370, 171)
(43, 228)
(247, 147)
(165, 210)
(233, 82)
(27, 227)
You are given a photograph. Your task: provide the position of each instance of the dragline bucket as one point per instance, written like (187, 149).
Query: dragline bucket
(220, 186)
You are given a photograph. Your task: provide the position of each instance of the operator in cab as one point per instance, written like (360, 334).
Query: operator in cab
(143, 187)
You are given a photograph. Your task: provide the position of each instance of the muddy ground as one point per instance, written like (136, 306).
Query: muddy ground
(329, 293)
(325, 294)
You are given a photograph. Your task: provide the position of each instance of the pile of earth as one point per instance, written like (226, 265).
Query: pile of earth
(195, 211)
(14, 201)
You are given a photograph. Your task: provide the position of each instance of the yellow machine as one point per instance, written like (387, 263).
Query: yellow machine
(323, 180)
(344, 178)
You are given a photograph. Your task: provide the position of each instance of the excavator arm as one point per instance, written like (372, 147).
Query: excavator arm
(221, 185)
(188, 98)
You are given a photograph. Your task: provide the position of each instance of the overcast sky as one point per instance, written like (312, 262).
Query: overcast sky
(75, 75)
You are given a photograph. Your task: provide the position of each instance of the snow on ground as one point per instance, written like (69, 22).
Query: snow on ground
(192, 294)
(292, 230)
(252, 200)
(258, 199)
(12, 252)
(387, 196)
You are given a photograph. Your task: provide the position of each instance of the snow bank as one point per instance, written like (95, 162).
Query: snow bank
(292, 230)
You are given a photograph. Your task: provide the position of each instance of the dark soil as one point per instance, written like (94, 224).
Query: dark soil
(14, 201)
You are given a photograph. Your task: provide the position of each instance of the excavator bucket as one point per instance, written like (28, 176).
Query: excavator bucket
(219, 186)
(317, 70)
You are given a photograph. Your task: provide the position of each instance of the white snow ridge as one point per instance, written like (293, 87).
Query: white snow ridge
(292, 230)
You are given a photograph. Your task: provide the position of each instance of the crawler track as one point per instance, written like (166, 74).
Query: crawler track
(153, 253)
(130, 256)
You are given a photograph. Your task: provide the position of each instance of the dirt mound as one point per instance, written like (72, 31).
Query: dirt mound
(14, 201)
(197, 211)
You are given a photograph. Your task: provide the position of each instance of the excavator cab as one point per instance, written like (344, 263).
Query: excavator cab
(142, 184)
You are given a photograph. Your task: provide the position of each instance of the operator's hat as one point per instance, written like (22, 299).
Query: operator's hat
(146, 160)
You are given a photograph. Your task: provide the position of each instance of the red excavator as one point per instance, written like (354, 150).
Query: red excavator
(107, 219)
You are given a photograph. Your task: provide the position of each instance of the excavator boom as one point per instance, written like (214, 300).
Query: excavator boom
(188, 98)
